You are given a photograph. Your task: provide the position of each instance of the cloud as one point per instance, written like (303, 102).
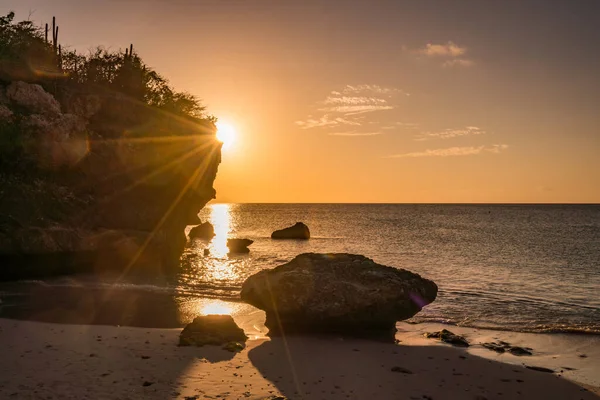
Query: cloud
(348, 106)
(449, 49)
(356, 133)
(369, 88)
(453, 151)
(325, 121)
(459, 62)
(450, 133)
(352, 110)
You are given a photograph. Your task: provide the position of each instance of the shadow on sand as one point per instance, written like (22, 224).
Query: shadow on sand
(319, 368)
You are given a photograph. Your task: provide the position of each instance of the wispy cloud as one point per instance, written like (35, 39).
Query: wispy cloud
(325, 121)
(355, 133)
(450, 133)
(453, 53)
(449, 49)
(454, 151)
(347, 105)
(459, 62)
(356, 109)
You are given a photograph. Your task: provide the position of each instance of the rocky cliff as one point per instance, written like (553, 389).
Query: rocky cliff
(94, 181)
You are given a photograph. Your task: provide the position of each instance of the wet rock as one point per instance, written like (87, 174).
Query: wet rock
(203, 231)
(540, 369)
(239, 245)
(519, 351)
(448, 337)
(501, 347)
(211, 330)
(344, 294)
(297, 231)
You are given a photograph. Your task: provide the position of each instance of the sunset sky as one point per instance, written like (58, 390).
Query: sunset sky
(374, 101)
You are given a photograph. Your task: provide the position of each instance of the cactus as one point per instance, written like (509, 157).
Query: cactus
(54, 35)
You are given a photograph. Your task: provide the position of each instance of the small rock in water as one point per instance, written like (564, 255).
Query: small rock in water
(448, 337)
(297, 231)
(203, 231)
(239, 245)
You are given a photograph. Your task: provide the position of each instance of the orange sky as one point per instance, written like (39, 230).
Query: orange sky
(375, 101)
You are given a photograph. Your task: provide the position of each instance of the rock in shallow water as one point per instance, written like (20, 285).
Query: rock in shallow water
(337, 293)
(211, 329)
(203, 231)
(297, 231)
(239, 245)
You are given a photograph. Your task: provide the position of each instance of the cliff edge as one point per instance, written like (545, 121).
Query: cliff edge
(102, 164)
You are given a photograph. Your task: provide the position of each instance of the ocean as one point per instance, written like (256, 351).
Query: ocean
(528, 268)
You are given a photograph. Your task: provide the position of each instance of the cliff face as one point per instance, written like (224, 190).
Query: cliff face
(97, 182)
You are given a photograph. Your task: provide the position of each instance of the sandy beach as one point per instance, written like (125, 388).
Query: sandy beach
(66, 361)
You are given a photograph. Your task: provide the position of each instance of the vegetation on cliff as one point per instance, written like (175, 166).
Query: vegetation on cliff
(95, 141)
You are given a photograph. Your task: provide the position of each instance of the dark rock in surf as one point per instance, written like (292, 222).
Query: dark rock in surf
(203, 231)
(342, 294)
(448, 337)
(501, 347)
(211, 330)
(239, 245)
(297, 231)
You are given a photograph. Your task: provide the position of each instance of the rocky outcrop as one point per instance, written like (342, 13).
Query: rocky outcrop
(501, 347)
(82, 189)
(298, 231)
(448, 337)
(212, 330)
(203, 231)
(237, 246)
(337, 293)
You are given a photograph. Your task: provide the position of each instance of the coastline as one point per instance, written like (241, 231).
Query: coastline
(49, 360)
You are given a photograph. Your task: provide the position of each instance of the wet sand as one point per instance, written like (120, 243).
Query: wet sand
(67, 361)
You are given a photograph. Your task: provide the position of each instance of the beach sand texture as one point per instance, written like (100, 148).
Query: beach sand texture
(59, 361)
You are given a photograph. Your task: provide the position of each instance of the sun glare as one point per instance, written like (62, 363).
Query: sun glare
(226, 133)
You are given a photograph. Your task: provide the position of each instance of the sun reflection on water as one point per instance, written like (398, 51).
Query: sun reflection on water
(216, 307)
(220, 217)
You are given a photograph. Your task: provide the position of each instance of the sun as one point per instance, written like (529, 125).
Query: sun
(226, 133)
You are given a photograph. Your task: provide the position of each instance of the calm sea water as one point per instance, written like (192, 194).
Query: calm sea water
(517, 267)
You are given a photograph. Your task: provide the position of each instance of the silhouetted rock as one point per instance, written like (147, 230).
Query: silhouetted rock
(239, 245)
(203, 231)
(337, 293)
(298, 231)
(211, 329)
(448, 337)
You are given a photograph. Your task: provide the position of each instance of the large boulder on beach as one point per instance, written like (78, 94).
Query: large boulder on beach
(298, 231)
(337, 293)
(203, 231)
(211, 330)
(239, 245)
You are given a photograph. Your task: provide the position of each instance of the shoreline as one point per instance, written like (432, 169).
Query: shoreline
(50, 360)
